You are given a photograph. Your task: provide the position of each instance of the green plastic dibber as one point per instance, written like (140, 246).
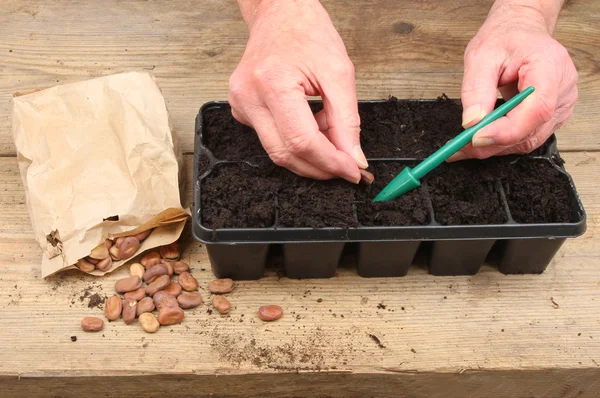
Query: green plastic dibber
(408, 179)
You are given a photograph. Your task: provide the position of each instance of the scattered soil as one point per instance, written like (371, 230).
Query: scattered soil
(465, 193)
(240, 196)
(227, 138)
(536, 192)
(95, 300)
(376, 340)
(409, 209)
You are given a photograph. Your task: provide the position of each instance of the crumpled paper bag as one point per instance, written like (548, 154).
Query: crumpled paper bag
(98, 160)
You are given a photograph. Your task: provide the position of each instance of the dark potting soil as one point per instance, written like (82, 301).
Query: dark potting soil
(203, 163)
(408, 129)
(227, 138)
(239, 196)
(409, 209)
(304, 202)
(465, 193)
(536, 192)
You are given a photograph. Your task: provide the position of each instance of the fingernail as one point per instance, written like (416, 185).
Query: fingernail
(482, 141)
(472, 114)
(460, 155)
(360, 158)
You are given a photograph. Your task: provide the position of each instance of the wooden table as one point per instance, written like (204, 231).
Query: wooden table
(489, 334)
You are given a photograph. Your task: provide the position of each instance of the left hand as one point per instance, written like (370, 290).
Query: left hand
(513, 50)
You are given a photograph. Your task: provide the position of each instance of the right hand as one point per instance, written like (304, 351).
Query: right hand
(294, 51)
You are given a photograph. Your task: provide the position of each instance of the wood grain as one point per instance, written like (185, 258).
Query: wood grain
(581, 383)
(481, 335)
(488, 322)
(408, 49)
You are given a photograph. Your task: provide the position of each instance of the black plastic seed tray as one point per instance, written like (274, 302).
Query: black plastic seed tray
(512, 242)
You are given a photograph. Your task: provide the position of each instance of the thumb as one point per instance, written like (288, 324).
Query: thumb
(340, 116)
(480, 85)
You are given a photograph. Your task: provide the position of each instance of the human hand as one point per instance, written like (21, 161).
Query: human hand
(513, 50)
(294, 51)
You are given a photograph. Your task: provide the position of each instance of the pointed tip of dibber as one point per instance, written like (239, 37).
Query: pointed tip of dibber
(403, 183)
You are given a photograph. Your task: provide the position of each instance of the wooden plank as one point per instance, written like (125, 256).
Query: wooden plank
(408, 49)
(431, 325)
(581, 383)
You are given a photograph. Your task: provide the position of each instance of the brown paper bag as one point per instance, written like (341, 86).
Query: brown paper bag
(98, 159)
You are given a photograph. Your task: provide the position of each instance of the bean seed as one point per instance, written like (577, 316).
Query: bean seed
(113, 308)
(270, 312)
(119, 241)
(91, 260)
(99, 252)
(85, 266)
(187, 282)
(128, 247)
(105, 264)
(143, 235)
(221, 304)
(366, 177)
(189, 300)
(108, 243)
(150, 259)
(137, 269)
(92, 324)
(136, 295)
(221, 286)
(129, 311)
(145, 305)
(154, 272)
(149, 322)
(173, 289)
(179, 267)
(167, 264)
(128, 284)
(170, 315)
(114, 253)
(170, 252)
(159, 284)
(162, 300)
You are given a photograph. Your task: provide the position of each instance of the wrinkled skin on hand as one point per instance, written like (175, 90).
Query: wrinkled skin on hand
(293, 52)
(514, 49)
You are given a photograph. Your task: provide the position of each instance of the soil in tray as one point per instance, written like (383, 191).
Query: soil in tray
(237, 195)
(408, 209)
(466, 193)
(408, 129)
(536, 192)
(304, 202)
(227, 138)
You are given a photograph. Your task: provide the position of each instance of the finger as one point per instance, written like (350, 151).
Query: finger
(321, 119)
(509, 90)
(468, 152)
(341, 113)
(240, 116)
(262, 121)
(535, 111)
(480, 85)
(300, 133)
